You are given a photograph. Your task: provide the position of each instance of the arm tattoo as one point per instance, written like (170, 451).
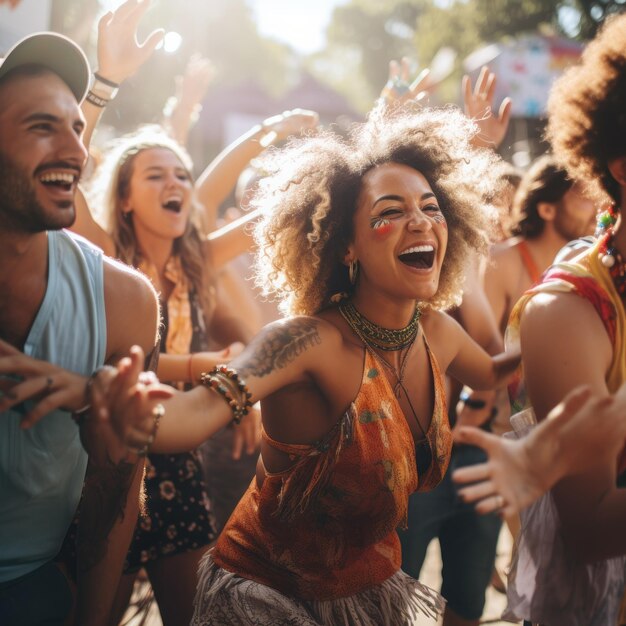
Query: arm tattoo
(280, 346)
(104, 500)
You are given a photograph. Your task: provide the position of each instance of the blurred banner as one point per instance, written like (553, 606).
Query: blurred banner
(526, 68)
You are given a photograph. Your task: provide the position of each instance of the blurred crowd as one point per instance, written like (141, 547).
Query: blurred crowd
(175, 350)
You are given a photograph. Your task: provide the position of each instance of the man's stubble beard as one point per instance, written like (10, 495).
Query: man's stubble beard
(20, 210)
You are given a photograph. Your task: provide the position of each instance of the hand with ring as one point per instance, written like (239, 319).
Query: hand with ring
(49, 387)
(398, 90)
(127, 412)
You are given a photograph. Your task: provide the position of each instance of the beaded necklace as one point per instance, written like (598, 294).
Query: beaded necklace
(404, 338)
(387, 339)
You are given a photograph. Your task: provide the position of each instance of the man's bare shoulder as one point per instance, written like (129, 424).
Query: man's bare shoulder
(124, 283)
(132, 308)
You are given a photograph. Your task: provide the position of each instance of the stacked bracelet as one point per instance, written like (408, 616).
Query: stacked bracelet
(102, 91)
(104, 87)
(226, 381)
(96, 100)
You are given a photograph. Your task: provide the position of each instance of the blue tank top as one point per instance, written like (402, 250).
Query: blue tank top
(42, 469)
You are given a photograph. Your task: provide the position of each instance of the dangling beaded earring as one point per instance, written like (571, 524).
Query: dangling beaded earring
(604, 230)
(609, 255)
(353, 271)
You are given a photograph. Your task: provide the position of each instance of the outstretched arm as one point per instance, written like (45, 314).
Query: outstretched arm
(283, 353)
(470, 364)
(576, 436)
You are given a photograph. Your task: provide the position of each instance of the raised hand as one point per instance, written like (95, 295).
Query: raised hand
(120, 55)
(397, 89)
(192, 86)
(478, 104)
(288, 123)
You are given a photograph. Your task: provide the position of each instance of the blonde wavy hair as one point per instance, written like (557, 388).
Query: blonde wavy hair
(309, 198)
(110, 187)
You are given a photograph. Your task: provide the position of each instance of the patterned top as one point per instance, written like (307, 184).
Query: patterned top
(586, 277)
(326, 527)
(546, 585)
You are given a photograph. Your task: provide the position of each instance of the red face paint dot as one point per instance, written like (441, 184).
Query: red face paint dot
(383, 230)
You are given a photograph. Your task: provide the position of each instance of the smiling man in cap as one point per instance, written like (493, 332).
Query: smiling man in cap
(65, 304)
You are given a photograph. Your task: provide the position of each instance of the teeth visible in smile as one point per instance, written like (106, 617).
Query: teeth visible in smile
(57, 177)
(413, 249)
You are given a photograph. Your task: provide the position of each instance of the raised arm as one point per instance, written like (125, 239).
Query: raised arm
(219, 178)
(229, 241)
(397, 90)
(120, 55)
(181, 110)
(86, 226)
(478, 104)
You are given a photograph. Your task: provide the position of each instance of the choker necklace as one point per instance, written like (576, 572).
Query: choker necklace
(371, 335)
(387, 339)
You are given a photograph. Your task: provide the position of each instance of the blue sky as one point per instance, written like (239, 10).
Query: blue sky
(300, 23)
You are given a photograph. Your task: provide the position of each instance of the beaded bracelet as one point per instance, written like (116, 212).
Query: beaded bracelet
(227, 382)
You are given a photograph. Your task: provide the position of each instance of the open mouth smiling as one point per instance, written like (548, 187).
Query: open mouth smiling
(61, 180)
(173, 204)
(418, 257)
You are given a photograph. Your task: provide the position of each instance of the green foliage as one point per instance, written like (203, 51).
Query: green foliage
(380, 30)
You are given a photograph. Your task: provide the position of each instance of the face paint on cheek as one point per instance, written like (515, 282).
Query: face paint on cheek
(381, 226)
(439, 218)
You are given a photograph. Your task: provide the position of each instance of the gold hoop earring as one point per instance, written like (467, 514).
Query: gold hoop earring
(353, 271)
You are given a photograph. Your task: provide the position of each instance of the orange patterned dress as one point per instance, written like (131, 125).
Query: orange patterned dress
(320, 538)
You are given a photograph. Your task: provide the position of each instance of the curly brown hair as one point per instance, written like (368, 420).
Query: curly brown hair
(310, 196)
(587, 110)
(545, 181)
